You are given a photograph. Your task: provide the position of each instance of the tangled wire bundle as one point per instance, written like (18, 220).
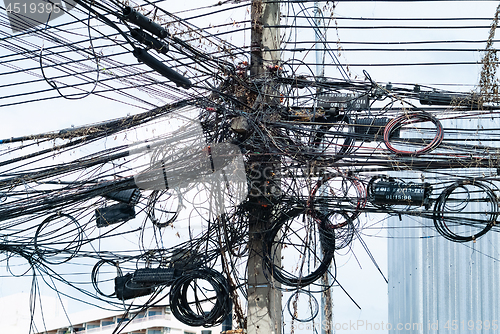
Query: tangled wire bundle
(457, 204)
(406, 119)
(180, 305)
(326, 238)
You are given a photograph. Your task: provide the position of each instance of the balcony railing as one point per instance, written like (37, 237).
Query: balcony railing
(137, 320)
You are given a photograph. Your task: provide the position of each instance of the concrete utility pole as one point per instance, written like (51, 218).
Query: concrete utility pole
(326, 323)
(264, 301)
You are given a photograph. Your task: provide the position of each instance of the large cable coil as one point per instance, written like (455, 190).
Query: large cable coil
(216, 294)
(304, 238)
(397, 123)
(465, 210)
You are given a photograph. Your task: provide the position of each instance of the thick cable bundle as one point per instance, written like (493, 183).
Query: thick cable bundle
(451, 201)
(394, 125)
(181, 307)
(327, 241)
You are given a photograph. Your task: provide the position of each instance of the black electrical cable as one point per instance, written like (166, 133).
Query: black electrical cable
(327, 239)
(94, 277)
(293, 306)
(484, 203)
(49, 238)
(182, 307)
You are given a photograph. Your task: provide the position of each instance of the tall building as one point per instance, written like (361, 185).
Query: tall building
(441, 284)
(155, 320)
(437, 285)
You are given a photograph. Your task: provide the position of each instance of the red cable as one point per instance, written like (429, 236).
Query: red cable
(405, 119)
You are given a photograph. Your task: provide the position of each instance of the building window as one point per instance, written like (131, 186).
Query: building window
(153, 313)
(107, 323)
(188, 332)
(206, 331)
(166, 330)
(154, 331)
(92, 326)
